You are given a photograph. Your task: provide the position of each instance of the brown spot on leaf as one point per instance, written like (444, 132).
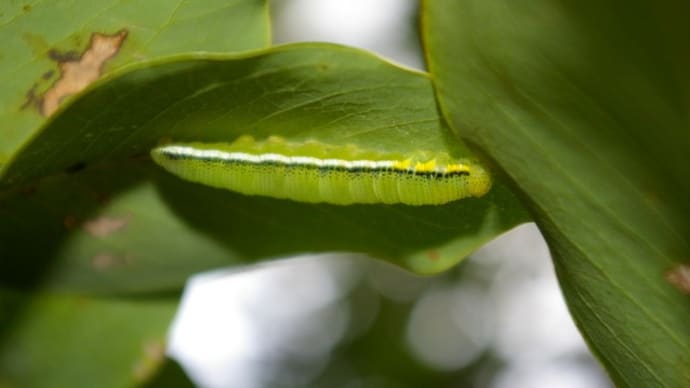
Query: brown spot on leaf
(103, 261)
(680, 277)
(433, 255)
(66, 56)
(102, 198)
(32, 98)
(70, 222)
(105, 226)
(29, 190)
(152, 357)
(106, 261)
(78, 71)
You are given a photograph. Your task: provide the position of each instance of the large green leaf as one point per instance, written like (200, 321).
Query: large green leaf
(76, 341)
(585, 107)
(113, 221)
(40, 40)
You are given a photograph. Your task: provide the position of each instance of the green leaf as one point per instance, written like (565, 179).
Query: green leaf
(43, 41)
(77, 341)
(89, 167)
(585, 107)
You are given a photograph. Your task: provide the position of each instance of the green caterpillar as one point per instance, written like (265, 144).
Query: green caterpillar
(316, 172)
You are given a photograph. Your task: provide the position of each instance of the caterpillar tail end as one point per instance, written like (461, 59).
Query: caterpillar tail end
(480, 182)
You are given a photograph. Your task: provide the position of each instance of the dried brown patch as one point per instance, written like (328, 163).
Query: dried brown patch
(78, 71)
(105, 226)
(680, 277)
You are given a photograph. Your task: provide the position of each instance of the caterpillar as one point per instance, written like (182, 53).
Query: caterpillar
(315, 172)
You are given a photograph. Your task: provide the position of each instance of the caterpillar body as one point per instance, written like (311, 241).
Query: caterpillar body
(315, 172)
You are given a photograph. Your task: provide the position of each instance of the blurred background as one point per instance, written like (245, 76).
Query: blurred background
(498, 320)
